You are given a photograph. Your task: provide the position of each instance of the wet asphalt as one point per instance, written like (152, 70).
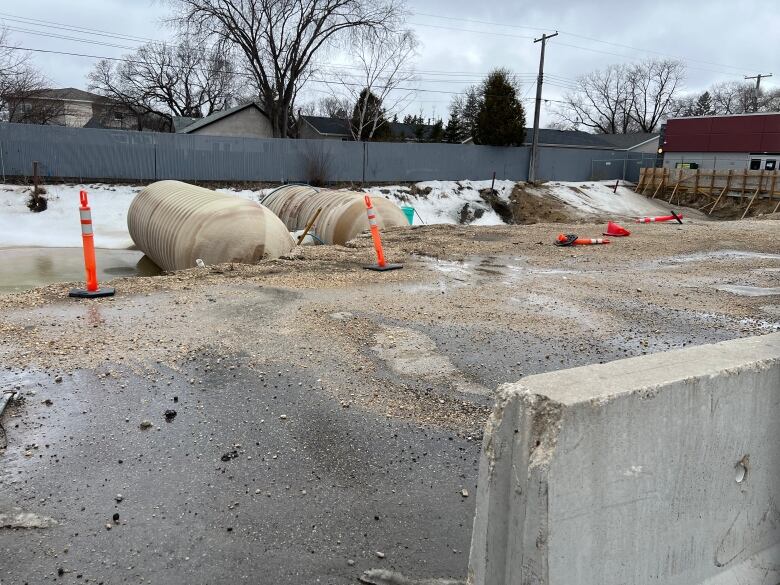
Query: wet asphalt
(256, 479)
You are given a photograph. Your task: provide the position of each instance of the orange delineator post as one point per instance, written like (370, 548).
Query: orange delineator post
(88, 241)
(381, 265)
(90, 266)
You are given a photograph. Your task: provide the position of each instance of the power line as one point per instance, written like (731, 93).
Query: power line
(584, 37)
(247, 75)
(129, 48)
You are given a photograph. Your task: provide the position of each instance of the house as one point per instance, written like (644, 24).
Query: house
(70, 107)
(738, 141)
(246, 120)
(639, 142)
(322, 127)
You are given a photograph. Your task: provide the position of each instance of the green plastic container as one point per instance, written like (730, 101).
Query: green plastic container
(409, 212)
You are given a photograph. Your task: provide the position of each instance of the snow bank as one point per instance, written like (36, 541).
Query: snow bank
(434, 201)
(59, 227)
(597, 198)
(443, 201)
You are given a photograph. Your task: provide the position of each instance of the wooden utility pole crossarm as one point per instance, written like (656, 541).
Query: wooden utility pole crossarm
(538, 108)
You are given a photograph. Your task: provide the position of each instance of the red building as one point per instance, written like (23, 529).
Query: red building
(741, 141)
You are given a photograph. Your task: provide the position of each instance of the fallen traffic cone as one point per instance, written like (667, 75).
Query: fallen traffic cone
(616, 231)
(573, 240)
(661, 218)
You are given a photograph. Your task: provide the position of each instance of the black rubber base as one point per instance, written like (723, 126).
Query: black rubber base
(83, 293)
(384, 268)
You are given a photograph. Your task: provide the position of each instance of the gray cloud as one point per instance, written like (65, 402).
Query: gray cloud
(719, 40)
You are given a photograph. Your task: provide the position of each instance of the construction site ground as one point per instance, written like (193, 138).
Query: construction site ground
(327, 418)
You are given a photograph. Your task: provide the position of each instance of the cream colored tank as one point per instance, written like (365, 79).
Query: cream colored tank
(176, 223)
(343, 213)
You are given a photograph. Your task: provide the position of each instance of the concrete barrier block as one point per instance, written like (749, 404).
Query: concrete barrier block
(662, 469)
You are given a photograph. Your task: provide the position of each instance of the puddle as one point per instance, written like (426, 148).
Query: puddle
(25, 268)
(749, 291)
(475, 268)
(722, 255)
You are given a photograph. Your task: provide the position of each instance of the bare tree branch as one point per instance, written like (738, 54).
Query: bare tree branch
(187, 79)
(278, 39)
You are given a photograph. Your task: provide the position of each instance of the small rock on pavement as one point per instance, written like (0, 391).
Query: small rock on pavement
(351, 563)
(380, 554)
(283, 416)
(57, 379)
(464, 492)
(170, 415)
(145, 424)
(119, 497)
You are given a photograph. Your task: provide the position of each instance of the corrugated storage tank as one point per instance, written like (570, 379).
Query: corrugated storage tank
(176, 223)
(343, 213)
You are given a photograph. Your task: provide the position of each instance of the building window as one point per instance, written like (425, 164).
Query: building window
(26, 108)
(119, 116)
(770, 165)
(755, 164)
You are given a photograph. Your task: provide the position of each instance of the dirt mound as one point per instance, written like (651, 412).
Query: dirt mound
(528, 207)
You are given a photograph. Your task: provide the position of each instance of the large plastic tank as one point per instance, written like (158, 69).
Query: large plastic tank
(343, 213)
(176, 223)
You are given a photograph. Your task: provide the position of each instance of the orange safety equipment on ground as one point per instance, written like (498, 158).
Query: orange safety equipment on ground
(380, 265)
(573, 240)
(673, 217)
(616, 231)
(90, 266)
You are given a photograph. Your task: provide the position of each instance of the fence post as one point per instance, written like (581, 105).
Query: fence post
(365, 157)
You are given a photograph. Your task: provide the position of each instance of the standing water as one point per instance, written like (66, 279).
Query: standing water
(26, 268)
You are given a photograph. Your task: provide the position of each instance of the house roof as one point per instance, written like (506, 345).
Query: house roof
(219, 116)
(628, 141)
(587, 140)
(340, 127)
(67, 94)
(325, 125)
(182, 122)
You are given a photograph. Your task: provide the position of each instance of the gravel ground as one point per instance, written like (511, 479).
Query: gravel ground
(384, 381)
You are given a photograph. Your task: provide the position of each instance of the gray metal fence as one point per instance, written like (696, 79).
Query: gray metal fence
(626, 166)
(93, 154)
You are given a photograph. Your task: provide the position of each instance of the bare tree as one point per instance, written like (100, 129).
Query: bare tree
(187, 79)
(654, 85)
(382, 67)
(330, 107)
(601, 102)
(21, 86)
(278, 39)
(623, 98)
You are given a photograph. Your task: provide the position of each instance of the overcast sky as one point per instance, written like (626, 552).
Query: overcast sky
(719, 40)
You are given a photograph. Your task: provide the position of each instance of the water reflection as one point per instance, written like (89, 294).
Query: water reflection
(25, 268)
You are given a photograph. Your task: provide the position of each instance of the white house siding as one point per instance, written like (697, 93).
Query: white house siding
(708, 160)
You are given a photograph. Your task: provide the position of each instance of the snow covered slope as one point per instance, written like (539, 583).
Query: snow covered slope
(595, 198)
(435, 201)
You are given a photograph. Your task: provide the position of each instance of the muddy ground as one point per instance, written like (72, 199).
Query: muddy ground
(327, 418)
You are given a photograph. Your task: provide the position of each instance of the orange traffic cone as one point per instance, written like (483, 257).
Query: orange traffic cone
(616, 231)
(573, 240)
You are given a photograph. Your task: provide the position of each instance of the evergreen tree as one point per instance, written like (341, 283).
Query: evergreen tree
(470, 111)
(437, 132)
(703, 105)
(368, 118)
(455, 133)
(501, 117)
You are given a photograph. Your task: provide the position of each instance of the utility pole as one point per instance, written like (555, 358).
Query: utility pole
(758, 79)
(538, 109)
